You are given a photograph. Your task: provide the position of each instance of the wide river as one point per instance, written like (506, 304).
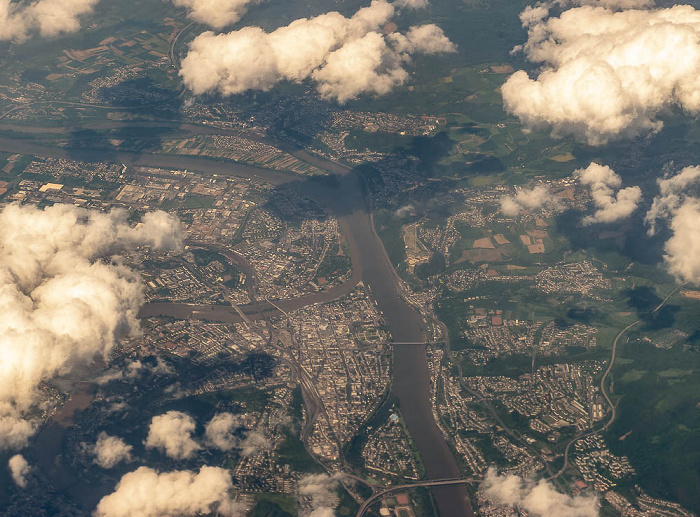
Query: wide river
(370, 263)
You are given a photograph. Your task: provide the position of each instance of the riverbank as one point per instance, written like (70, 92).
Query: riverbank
(370, 263)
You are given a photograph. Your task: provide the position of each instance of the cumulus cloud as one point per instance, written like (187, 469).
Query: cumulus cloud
(147, 493)
(215, 13)
(47, 17)
(674, 192)
(134, 370)
(412, 4)
(321, 491)
(171, 433)
(678, 204)
(613, 4)
(345, 57)
(683, 248)
(607, 74)
(617, 5)
(116, 407)
(364, 65)
(110, 451)
(62, 304)
(423, 39)
(528, 199)
(19, 468)
(253, 442)
(109, 376)
(219, 431)
(611, 207)
(14, 429)
(532, 14)
(538, 499)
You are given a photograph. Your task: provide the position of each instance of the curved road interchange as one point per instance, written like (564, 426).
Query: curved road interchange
(369, 262)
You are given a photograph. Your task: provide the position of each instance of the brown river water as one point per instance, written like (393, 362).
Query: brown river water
(370, 263)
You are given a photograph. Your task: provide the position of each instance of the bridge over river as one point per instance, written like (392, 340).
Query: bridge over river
(370, 264)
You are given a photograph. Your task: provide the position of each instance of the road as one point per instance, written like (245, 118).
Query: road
(603, 390)
(20, 107)
(613, 408)
(371, 264)
(172, 50)
(256, 310)
(486, 403)
(402, 488)
(411, 377)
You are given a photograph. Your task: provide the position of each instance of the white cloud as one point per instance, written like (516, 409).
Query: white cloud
(678, 203)
(219, 431)
(253, 442)
(19, 468)
(412, 4)
(134, 370)
(538, 499)
(611, 207)
(321, 489)
(533, 14)
(47, 17)
(541, 9)
(116, 407)
(110, 451)
(683, 248)
(62, 304)
(673, 193)
(422, 39)
(109, 376)
(606, 75)
(146, 493)
(365, 65)
(171, 433)
(528, 199)
(215, 13)
(617, 5)
(345, 57)
(14, 429)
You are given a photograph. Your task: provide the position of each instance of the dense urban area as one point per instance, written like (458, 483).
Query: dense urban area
(538, 329)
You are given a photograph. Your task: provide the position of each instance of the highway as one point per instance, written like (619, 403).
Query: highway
(613, 408)
(402, 488)
(603, 390)
(370, 263)
(411, 377)
(172, 50)
(485, 402)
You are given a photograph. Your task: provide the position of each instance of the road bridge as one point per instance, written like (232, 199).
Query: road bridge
(402, 488)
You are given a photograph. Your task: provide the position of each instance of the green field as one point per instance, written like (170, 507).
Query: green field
(659, 406)
(656, 380)
(274, 505)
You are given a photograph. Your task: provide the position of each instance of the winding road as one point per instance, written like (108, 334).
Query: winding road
(411, 377)
(603, 390)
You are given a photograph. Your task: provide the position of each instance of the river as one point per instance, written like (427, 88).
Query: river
(370, 263)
